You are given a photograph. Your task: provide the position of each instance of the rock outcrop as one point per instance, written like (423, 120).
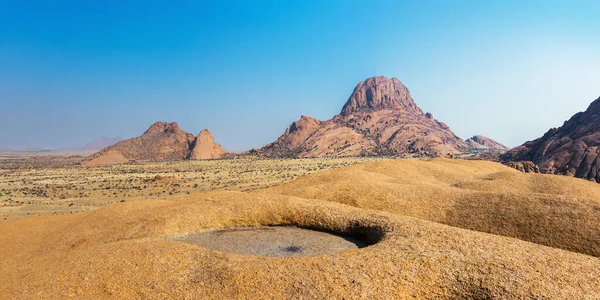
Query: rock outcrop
(161, 142)
(378, 93)
(480, 142)
(572, 149)
(524, 166)
(379, 118)
(204, 147)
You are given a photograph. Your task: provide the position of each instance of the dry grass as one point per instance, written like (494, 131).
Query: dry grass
(123, 250)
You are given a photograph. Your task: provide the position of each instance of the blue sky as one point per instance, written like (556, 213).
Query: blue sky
(71, 71)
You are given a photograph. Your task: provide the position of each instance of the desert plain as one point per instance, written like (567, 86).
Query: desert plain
(36, 184)
(435, 229)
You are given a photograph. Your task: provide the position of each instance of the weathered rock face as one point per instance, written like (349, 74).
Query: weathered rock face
(524, 166)
(379, 118)
(162, 141)
(572, 149)
(377, 93)
(101, 143)
(204, 147)
(480, 142)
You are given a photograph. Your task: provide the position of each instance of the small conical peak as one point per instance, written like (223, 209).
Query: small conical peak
(304, 122)
(478, 139)
(205, 136)
(377, 93)
(160, 127)
(204, 147)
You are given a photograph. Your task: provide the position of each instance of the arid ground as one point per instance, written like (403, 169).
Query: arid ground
(438, 229)
(35, 184)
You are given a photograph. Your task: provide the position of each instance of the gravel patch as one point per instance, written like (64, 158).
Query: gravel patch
(272, 241)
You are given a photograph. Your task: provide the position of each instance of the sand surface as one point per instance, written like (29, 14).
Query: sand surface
(274, 241)
(446, 229)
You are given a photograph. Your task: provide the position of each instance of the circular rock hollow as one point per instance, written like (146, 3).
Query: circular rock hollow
(273, 241)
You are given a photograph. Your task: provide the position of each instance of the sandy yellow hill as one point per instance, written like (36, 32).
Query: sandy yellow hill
(125, 250)
(478, 195)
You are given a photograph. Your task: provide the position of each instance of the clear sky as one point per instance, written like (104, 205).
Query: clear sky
(71, 71)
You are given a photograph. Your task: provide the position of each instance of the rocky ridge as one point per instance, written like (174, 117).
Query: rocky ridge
(572, 149)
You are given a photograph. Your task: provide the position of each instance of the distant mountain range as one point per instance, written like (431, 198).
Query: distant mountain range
(480, 142)
(95, 145)
(101, 143)
(379, 118)
(28, 149)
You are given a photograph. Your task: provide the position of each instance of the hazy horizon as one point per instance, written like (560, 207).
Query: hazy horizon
(74, 71)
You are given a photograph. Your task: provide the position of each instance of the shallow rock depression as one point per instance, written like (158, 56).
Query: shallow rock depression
(272, 241)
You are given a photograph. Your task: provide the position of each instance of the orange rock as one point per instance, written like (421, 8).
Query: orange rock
(379, 118)
(162, 141)
(204, 147)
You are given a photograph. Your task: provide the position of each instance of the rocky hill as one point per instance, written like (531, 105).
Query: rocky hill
(162, 141)
(572, 149)
(101, 143)
(480, 142)
(204, 147)
(379, 118)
